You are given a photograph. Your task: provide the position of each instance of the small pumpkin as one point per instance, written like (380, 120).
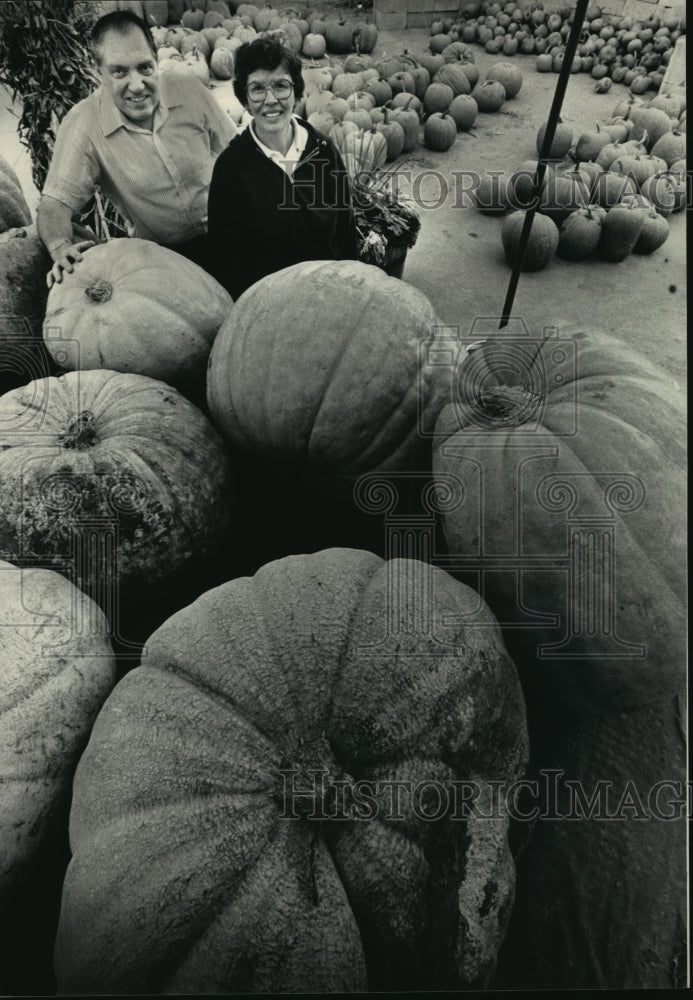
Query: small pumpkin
(364, 151)
(580, 233)
(314, 46)
(661, 190)
(562, 141)
(507, 74)
(345, 84)
(463, 110)
(542, 244)
(421, 78)
(610, 188)
(393, 132)
(650, 123)
(196, 766)
(409, 102)
(438, 98)
(364, 37)
(670, 147)
(221, 63)
(638, 167)
(471, 71)
(521, 185)
(440, 132)
(489, 96)
(455, 78)
(133, 306)
(590, 144)
(359, 117)
(620, 231)
(338, 36)
(380, 90)
(563, 193)
(402, 82)
(361, 99)
(431, 61)
(654, 233)
(409, 120)
(491, 193)
(457, 51)
(439, 42)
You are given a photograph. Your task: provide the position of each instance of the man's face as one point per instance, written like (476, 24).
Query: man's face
(129, 72)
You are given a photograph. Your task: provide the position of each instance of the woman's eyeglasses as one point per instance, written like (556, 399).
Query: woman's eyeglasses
(280, 88)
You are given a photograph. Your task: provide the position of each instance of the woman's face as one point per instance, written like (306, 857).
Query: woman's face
(272, 113)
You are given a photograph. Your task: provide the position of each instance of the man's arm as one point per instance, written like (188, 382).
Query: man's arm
(54, 227)
(220, 126)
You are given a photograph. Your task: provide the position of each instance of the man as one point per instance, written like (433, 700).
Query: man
(148, 142)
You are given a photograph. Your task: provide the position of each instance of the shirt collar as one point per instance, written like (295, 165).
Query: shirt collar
(298, 142)
(112, 118)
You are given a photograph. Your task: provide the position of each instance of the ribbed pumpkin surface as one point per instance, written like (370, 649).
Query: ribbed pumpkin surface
(14, 210)
(133, 306)
(56, 669)
(115, 451)
(606, 438)
(188, 872)
(326, 362)
(571, 456)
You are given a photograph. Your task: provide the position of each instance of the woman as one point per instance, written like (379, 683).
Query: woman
(280, 192)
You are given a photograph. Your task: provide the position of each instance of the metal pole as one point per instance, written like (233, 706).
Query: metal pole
(554, 115)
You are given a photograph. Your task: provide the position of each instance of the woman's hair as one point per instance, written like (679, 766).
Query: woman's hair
(269, 54)
(121, 22)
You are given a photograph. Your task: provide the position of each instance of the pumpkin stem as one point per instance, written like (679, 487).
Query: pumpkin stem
(81, 434)
(307, 781)
(508, 405)
(100, 291)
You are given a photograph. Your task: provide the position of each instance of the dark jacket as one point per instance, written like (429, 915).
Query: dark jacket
(260, 220)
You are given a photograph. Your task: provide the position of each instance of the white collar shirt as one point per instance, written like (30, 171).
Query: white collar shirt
(287, 161)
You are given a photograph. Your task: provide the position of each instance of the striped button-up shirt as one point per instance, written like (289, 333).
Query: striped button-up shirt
(159, 179)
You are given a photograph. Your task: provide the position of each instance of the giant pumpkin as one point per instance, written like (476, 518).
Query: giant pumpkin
(133, 306)
(202, 860)
(570, 455)
(57, 668)
(103, 473)
(329, 363)
(14, 210)
(586, 439)
(24, 263)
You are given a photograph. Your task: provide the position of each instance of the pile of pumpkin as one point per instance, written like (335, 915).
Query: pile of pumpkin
(407, 98)
(402, 99)
(206, 35)
(612, 47)
(609, 193)
(174, 454)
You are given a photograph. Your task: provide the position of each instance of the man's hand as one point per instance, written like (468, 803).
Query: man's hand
(65, 255)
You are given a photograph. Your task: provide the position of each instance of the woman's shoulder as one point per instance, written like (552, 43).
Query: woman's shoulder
(238, 148)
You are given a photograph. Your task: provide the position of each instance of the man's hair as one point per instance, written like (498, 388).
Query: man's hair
(269, 54)
(120, 21)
